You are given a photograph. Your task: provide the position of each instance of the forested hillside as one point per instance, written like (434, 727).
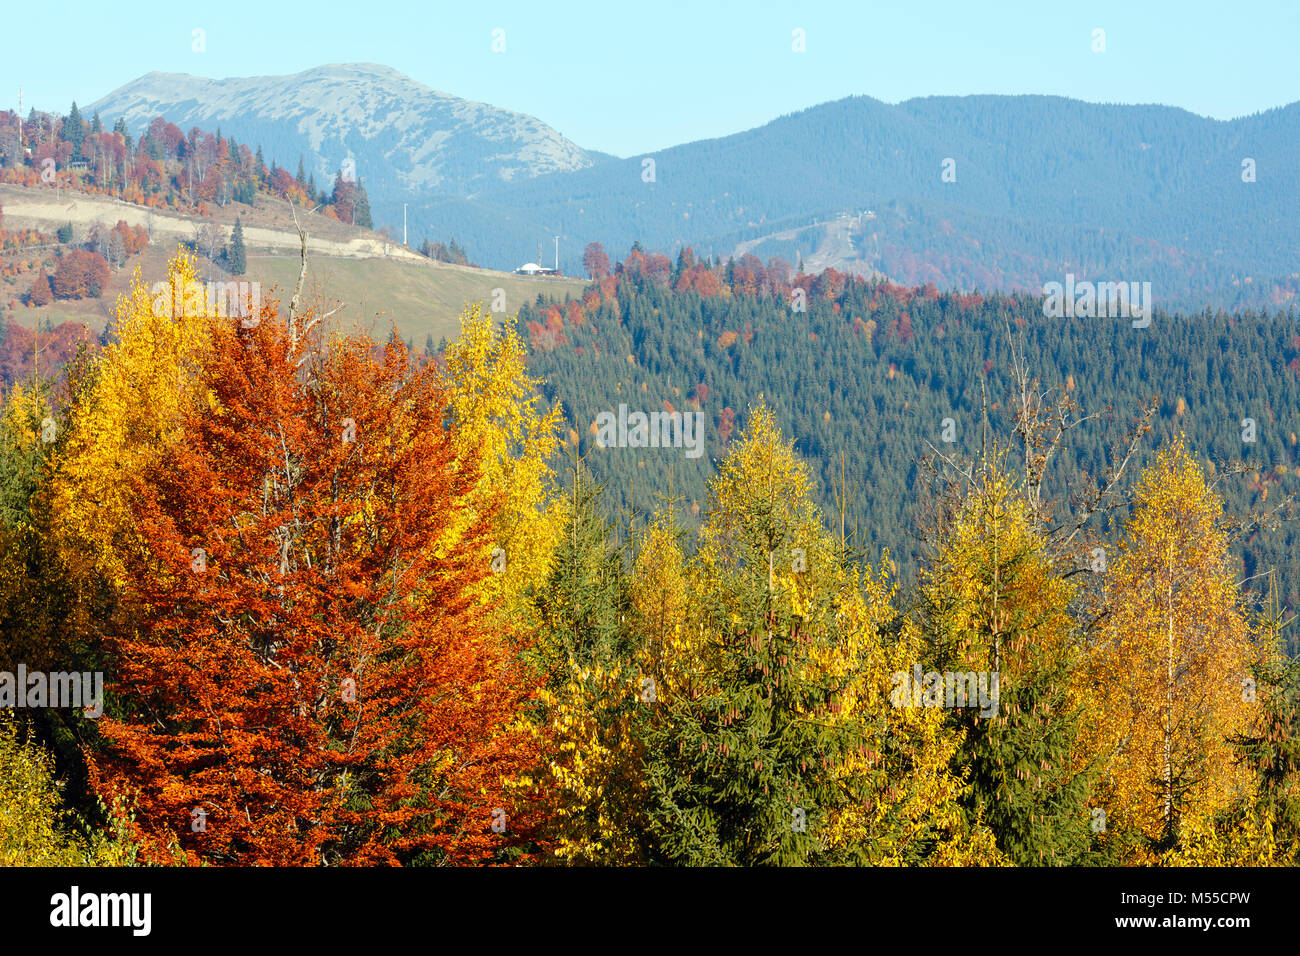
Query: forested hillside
(873, 378)
(331, 602)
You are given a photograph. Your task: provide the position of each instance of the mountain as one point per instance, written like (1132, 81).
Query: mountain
(404, 138)
(1040, 186)
(1043, 185)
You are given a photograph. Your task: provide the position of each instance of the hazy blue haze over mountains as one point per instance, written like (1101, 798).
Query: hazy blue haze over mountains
(1044, 185)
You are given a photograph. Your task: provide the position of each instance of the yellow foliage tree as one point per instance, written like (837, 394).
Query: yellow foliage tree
(129, 414)
(500, 425)
(35, 829)
(1166, 674)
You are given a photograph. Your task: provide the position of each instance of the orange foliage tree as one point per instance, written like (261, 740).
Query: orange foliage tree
(304, 677)
(80, 275)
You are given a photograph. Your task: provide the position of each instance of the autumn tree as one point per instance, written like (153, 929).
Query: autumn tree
(994, 607)
(40, 294)
(507, 436)
(304, 667)
(120, 423)
(80, 275)
(1173, 654)
(595, 262)
(36, 829)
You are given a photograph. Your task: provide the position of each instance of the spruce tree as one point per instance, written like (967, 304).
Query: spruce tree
(238, 257)
(751, 767)
(74, 130)
(361, 211)
(1271, 747)
(581, 603)
(992, 605)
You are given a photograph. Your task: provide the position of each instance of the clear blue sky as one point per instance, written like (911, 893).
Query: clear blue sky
(632, 76)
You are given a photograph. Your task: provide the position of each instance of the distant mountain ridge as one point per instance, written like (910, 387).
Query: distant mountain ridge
(1042, 185)
(403, 136)
(1039, 185)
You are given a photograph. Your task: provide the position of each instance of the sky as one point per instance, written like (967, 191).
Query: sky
(633, 76)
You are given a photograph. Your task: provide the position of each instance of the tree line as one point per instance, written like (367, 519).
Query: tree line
(351, 606)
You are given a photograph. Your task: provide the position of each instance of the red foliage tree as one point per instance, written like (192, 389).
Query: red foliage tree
(41, 293)
(318, 678)
(19, 345)
(80, 275)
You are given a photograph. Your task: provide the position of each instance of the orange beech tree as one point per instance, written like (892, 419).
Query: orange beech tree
(303, 676)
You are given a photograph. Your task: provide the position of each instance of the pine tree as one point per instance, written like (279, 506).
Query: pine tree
(1271, 748)
(752, 767)
(993, 606)
(238, 256)
(74, 130)
(589, 776)
(302, 173)
(361, 211)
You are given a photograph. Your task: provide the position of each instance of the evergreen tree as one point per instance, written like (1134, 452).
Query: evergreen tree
(238, 257)
(74, 130)
(753, 765)
(361, 211)
(1271, 748)
(992, 606)
(590, 775)
(301, 178)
